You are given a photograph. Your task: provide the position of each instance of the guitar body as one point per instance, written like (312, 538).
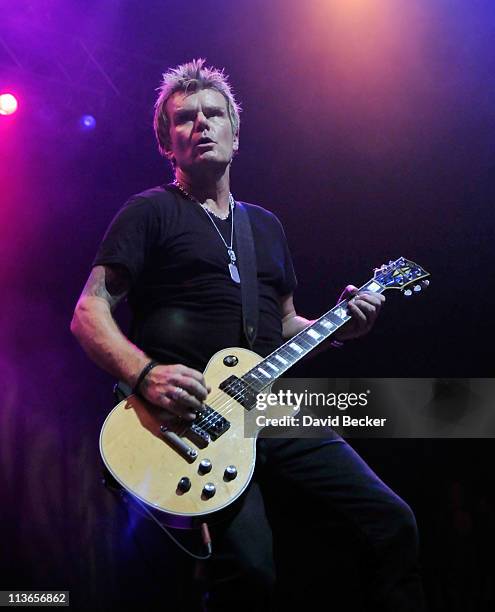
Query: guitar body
(150, 466)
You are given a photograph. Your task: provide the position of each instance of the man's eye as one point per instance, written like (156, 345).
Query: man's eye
(183, 119)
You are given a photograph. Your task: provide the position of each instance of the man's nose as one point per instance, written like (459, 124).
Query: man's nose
(201, 121)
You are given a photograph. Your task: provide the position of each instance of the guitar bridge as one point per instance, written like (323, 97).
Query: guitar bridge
(198, 435)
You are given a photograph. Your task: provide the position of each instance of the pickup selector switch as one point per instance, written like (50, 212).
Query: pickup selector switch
(230, 472)
(204, 466)
(209, 490)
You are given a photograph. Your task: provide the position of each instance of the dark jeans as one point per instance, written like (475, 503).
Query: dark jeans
(340, 536)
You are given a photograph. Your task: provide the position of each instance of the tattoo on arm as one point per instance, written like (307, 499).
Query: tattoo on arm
(112, 283)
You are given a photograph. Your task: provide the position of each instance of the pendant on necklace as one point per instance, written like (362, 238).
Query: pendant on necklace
(234, 272)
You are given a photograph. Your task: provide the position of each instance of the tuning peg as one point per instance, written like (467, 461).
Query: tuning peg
(425, 283)
(417, 288)
(407, 292)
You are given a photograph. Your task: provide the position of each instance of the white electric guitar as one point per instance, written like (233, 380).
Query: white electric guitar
(191, 471)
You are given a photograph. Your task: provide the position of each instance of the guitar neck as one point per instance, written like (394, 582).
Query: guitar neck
(284, 357)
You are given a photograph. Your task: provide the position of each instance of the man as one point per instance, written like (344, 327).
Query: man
(172, 251)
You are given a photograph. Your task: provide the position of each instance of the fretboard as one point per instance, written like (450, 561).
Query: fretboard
(284, 357)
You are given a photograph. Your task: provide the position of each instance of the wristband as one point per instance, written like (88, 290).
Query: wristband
(144, 372)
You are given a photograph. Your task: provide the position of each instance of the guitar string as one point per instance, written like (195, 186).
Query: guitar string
(219, 414)
(251, 386)
(248, 386)
(214, 418)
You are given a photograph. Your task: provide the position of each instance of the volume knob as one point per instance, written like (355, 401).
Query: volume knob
(230, 472)
(209, 490)
(204, 466)
(184, 484)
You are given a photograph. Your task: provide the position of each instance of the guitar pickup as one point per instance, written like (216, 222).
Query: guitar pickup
(211, 422)
(239, 390)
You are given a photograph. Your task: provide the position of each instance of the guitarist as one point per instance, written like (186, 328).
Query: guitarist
(171, 251)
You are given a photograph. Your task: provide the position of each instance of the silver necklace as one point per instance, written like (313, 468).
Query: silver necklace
(234, 272)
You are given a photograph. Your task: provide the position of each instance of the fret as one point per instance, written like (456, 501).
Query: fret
(372, 286)
(288, 354)
(341, 313)
(313, 333)
(301, 344)
(264, 372)
(327, 325)
(270, 365)
(336, 319)
(295, 347)
(253, 380)
(304, 339)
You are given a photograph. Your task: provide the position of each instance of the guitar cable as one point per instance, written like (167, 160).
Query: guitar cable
(205, 532)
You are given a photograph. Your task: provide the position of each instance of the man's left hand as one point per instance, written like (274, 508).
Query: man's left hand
(364, 308)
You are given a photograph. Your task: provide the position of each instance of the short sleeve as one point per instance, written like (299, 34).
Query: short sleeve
(131, 236)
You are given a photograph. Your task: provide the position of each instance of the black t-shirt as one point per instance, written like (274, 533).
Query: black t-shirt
(184, 303)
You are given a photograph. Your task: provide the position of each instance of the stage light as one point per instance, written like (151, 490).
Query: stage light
(8, 104)
(87, 122)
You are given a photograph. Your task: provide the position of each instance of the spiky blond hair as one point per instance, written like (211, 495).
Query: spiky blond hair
(188, 78)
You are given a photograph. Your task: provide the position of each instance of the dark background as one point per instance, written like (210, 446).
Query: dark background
(368, 128)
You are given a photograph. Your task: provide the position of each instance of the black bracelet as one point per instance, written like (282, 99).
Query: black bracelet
(144, 372)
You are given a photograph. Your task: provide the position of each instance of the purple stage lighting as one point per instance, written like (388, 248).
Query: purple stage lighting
(87, 122)
(8, 104)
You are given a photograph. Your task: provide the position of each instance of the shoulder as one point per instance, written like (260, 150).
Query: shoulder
(150, 205)
(264, 221)
(259, 214)
(154, 196)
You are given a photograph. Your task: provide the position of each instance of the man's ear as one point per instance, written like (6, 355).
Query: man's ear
(168, 153)
(235, 144)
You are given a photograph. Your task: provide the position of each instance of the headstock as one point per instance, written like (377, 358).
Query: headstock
(402, 274)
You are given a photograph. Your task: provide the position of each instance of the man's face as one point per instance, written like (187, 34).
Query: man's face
(200, 129)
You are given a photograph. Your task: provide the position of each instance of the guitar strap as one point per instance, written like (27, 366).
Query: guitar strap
(248, 271)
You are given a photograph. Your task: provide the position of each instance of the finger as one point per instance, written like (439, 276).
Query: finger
(351, 289)
(358, 316)
(369, 309)
(175, 407)
(348, 292)
(196, 374)
(372, 298)
(192, 386)
(180, 395)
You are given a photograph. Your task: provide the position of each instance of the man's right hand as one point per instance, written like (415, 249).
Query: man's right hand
(176, 388)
